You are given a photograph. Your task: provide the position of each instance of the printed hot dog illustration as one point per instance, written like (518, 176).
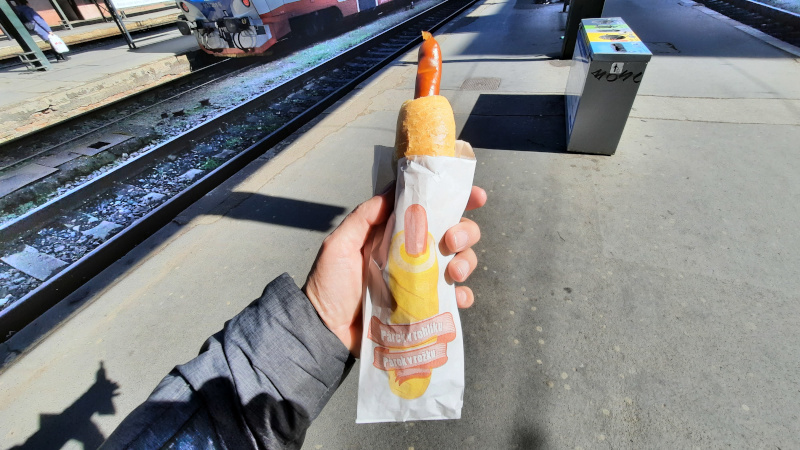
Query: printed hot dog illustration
(413, 283)
(413, 270)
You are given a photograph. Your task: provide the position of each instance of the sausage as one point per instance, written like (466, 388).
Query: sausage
(429, 68)
(416, 230)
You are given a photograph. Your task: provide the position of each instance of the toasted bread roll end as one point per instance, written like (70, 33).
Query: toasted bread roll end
(425, 126)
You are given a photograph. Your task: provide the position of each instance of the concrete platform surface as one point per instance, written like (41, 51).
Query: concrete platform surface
(93, 31)
(90, 79)
(643, 300)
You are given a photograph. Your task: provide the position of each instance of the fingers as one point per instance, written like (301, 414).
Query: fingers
(462, 265)
(477, 198)
(459, 269)
(460, 237)
(464, 297)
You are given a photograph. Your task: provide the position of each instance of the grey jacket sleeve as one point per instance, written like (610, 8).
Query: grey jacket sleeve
(258, 383)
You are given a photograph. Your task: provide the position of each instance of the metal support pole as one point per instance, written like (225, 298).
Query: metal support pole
(579, 10)
(102, 13)
(115, 14)
(64, 20)
(18, 32)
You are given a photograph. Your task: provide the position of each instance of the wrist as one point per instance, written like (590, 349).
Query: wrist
(342, 331)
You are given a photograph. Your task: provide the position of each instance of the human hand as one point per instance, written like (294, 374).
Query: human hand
(335, 283)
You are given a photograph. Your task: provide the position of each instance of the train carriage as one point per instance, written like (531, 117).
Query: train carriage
(246, 27)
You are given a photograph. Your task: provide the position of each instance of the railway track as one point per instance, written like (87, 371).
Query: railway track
(778, 23)
(150, 116)
(207, 70)
(83, 231)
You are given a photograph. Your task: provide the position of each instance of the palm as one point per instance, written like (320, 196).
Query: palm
(340, 264)
(335, 283)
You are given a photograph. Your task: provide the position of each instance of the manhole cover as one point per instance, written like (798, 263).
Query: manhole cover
(481, 84)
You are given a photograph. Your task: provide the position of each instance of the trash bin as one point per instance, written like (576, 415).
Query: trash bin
(607, 67)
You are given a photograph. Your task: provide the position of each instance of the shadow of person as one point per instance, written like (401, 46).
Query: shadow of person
(75, 422)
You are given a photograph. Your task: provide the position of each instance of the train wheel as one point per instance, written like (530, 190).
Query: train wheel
(333, 20)
(300, 30)
(315, 24)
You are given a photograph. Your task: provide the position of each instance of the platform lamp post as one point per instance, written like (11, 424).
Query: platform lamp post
(32, 54)
(102, 11)
(64, 20)
(120, 24)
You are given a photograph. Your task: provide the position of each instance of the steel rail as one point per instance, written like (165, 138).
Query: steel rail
(773, 12)
(20, 140)
(52, 291)
(755, 14)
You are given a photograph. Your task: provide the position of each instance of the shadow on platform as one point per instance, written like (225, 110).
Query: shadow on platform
(75, 422)
(531, 123)
(283, 211)
(184, 423)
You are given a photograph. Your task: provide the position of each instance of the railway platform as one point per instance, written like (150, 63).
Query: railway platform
(642, 300)
(93, 77)
(82, 33)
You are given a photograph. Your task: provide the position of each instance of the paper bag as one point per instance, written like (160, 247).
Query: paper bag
(58, 45)
(412, 353)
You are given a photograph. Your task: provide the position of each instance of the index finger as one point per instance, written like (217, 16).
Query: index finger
(477, 198)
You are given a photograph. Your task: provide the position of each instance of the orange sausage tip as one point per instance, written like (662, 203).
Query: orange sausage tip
(426, 35)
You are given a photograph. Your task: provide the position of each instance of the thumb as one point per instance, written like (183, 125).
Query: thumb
(356, 226)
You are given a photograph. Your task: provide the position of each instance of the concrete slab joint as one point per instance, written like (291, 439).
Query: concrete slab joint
(103, 230)
(34, 263)
(153, 197)
(20, 177)
(191, 174)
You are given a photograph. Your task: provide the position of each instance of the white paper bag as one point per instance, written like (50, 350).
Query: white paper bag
(412, 354)
(58, 45)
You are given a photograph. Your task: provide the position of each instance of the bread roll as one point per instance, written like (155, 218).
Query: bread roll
(425, 126)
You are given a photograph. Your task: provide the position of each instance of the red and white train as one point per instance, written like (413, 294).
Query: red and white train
(248, 27)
